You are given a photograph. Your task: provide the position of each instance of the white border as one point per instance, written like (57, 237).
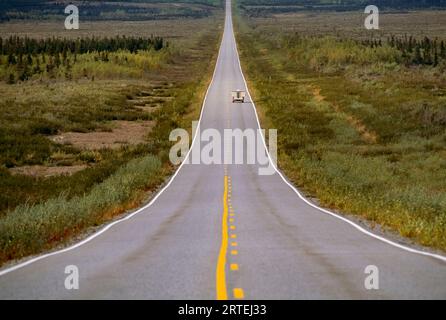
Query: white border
(107, 227)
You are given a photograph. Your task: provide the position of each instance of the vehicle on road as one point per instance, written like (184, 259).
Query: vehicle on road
(238, 96)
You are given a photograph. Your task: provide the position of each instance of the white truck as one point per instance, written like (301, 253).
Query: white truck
(238, 96)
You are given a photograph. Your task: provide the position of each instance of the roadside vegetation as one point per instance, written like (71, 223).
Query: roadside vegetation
(30, 229)
(85, 120)
(24, 58)
(361, 116)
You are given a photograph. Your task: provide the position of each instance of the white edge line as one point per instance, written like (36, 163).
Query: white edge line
(108, 226)
(358, 227)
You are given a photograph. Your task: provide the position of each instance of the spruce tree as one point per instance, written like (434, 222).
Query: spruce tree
(11, 79)
(442, 50)
(435, 56)
(417, 57)
(11, 59)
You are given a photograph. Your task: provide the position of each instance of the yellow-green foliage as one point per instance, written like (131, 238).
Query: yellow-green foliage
(113, 65)
(121, 64)
(332, 54)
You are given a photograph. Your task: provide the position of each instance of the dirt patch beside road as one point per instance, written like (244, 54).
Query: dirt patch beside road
(124, 133)
(44, 171)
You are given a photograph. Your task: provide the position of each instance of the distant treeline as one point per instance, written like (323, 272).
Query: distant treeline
(25, 57)
(425, 52)
(399, 4)
(107, 10)
(382, 3)
(15, 45)
(258, 8)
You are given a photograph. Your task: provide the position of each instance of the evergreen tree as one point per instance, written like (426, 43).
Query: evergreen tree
(24, 75)
(57, 60)
(20, 60)
(11, 59)
(435, 56)
(417, 58)
(427, 56)
(11, 79)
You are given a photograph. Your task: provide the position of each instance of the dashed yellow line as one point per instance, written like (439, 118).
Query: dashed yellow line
(238, 293)
(222, 293)
(221, 286)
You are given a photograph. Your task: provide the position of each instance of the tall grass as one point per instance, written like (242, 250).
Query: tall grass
(120, 65)
(30, 229)
(330, 54)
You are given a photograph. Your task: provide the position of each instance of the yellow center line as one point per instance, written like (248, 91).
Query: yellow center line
(238, 293)
(222, 293)
(221, 286)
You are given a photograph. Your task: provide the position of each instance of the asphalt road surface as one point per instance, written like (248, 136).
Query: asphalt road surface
(224, 231)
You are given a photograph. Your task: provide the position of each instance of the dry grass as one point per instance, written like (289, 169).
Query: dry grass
(366, 134)
(45, 171)
(177, 32)
(351, 24)
(123, 133)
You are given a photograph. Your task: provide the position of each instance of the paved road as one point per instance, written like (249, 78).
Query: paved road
(227, 231)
